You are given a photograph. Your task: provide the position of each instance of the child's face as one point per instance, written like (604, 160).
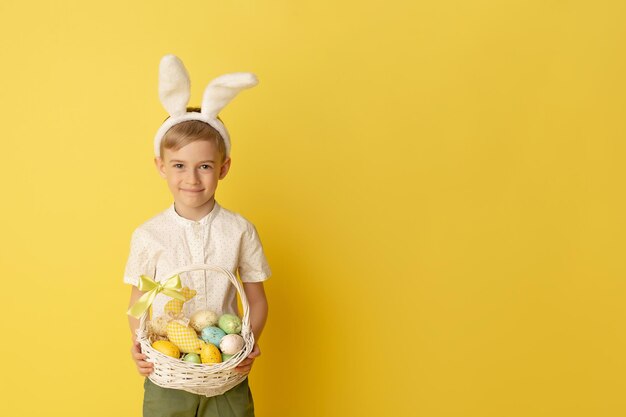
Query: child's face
(192, 174)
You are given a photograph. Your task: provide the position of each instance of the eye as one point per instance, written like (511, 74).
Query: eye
(178, 165)
(206, 166)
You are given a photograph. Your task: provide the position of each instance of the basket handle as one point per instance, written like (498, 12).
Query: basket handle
(245, 322)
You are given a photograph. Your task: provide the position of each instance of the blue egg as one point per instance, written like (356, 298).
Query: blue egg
(212, 335)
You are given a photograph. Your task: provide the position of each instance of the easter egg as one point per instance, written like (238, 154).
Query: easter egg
(203, 318)
(230, 323)
(231, 344)
(167, 348)
(192, 357)
(212, 335)
(226, 357)
(210, 354)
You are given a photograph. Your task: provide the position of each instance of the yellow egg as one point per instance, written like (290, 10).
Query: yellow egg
(167, 348)
(210, 354)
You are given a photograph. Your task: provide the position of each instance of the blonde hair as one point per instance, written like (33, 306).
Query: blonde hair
(184, 133)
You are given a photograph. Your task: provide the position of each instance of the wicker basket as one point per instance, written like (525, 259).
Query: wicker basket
(205, 379)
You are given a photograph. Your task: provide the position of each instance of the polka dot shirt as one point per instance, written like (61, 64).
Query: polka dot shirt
(168, 242)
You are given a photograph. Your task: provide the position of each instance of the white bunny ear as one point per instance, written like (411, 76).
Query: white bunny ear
(174, 85)
(223, 89)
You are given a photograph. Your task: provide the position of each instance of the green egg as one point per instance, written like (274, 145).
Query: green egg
(192, 357)
(230, 323)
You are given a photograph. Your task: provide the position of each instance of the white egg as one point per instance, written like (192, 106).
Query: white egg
(203, 318)
(231, 344)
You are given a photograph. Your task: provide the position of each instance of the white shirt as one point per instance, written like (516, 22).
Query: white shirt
(168, 242)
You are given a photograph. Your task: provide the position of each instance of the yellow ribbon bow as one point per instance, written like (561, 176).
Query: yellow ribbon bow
(172, 287)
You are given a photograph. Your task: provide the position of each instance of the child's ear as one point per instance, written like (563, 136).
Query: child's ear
(225, 168)
(160, 166)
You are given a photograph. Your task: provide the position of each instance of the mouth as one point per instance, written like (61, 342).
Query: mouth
(191, 191)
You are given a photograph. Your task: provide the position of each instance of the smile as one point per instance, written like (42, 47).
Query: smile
(191, 191)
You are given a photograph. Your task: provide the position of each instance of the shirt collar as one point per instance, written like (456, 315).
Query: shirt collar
(188, 222)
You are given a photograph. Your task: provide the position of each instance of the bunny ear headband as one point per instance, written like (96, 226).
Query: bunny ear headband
(174, 92)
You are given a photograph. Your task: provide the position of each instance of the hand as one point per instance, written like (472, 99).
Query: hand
(144, 368)
(246, 364)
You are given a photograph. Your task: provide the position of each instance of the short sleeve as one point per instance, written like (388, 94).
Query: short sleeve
(253, 266)
(140, 259)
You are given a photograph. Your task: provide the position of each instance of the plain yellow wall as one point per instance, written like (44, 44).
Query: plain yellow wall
(438, 186)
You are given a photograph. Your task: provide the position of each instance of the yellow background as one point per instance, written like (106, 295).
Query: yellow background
(438, 186)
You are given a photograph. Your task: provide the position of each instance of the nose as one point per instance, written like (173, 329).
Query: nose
(192, 177)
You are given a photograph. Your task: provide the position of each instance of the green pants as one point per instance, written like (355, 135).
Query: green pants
(166, 402)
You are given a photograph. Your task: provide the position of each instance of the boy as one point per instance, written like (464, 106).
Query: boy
(192, 154)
